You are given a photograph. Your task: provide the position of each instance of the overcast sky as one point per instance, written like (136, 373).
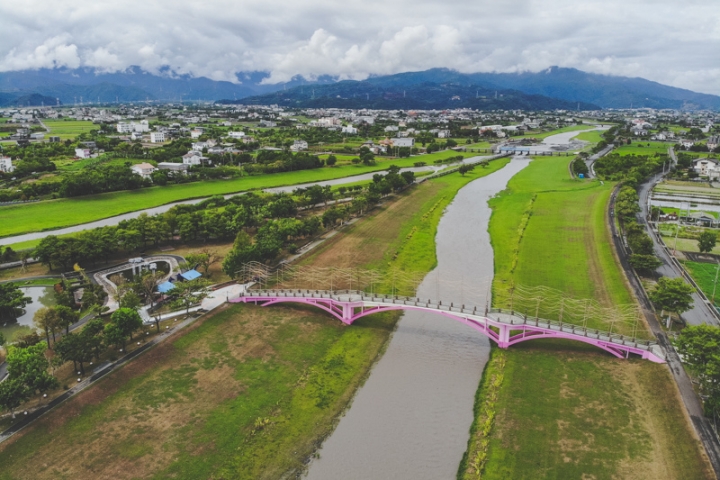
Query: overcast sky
(676, 43)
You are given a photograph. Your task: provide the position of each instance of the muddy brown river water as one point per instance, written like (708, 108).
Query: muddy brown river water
(411, 418)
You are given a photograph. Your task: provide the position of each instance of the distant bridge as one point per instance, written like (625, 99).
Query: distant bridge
(504, 327)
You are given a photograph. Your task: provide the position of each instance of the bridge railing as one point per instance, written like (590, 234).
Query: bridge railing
(513, 317)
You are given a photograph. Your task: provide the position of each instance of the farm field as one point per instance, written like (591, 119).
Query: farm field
(643, 148)
(564, 409)
(51, 214)
(68, 129)
(247, 392)
(592, 137)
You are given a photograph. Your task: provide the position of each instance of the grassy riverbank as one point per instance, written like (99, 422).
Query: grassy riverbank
(247, 392)
(564, 409)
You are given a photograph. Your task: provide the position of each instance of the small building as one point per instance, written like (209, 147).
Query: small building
(157, 137)
(299, 145)
(190, 275)
(403, 142)
(54, 139)
(194, 158)
(713, 142)
(6, 165)
(196, 132)
(236, 134)
(350, 130)
(37, 136)
(144, 169)
(82, 152)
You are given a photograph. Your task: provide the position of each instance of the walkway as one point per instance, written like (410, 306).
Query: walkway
(501, 326)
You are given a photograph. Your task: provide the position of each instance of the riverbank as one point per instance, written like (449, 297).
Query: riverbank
(566, 410)
(246, 393)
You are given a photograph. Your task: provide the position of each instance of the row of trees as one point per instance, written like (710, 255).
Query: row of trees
(31, 361)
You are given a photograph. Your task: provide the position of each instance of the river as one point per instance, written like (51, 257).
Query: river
(411, 418)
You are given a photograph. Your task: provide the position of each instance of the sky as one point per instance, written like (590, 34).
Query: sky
(675, 43)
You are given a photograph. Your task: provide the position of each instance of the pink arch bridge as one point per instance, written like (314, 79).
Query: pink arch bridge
(503, 327)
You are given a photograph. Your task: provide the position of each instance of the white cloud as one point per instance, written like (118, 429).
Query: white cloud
(217, 38)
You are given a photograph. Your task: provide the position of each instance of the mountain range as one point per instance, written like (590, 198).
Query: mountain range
(555, 87)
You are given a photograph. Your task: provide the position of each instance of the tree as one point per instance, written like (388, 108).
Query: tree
(464, 169)
(13, 392)
(699, 345)
(112, 335)
(190, 293)
(644, 263)
(672, 294)
(66, 316)
(130, 300)
(12, 302)
(29, 365)
(79, 348)
(47, 320)
(127, 321)
(205, 258)
(707, 241)
(331, 160)
(147, 283)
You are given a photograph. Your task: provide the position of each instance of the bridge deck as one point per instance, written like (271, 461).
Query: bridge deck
(491, 322)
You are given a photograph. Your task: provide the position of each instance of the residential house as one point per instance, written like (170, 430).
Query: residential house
(236, 134)
(443, 133)
(350, 130)
(196, 132)
(299, 145)
(157, 137)
(194, 157)
(707, 167)
(687, 143)
(144, 169)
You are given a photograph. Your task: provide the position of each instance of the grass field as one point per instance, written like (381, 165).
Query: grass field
(245, 393)
(52, 214)
(563, 245)
(572, 128)
(68, 129)
(686, 245)
(553, 409)
(593, 137)
(575, 413)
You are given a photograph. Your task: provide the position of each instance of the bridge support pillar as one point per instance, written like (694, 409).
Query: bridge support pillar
(348, 311)
(503, 336)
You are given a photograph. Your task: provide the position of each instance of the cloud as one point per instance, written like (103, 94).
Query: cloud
(218, 38)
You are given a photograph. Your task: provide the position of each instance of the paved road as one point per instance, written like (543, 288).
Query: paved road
(590, 161)
(692, 403)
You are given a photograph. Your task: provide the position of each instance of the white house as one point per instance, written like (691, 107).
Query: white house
(141, 127)
(687, 143)
(236, 134)
(403, 142)
(82, 152)
(196, 132)
(299, 145)
(157, 137)
(145, 170)
(123, 127)
(6, 165)
(707, 167)
(194, 158)
(350, 130)
(443, 133)
(392, 128)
